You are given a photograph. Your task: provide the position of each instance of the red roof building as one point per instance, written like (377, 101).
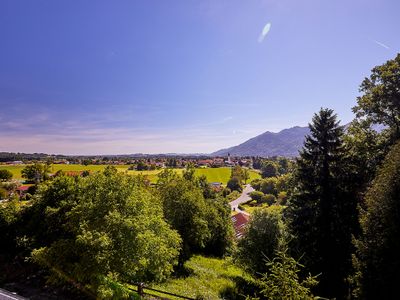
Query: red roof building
(240, 221)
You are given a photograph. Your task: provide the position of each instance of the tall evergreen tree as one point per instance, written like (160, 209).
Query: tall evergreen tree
(377, 258)
(322, 209)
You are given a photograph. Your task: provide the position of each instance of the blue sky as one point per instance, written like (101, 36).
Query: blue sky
(113, 77)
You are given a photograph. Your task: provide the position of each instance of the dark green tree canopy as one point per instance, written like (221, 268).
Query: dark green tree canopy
(5, 175)
(377, 258)
(321, 211)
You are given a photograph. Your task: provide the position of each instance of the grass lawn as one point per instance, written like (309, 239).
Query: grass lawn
(209, 278)
(212, 174)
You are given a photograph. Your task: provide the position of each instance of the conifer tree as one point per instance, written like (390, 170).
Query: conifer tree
(322, 209)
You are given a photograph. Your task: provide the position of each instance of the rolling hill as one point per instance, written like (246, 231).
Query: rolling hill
(283, 143)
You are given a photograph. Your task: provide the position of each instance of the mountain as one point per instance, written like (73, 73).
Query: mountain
(283, 143)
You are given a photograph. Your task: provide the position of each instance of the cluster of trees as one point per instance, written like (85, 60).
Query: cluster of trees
(273, 167)
(109, 229)
(272, 189)
(342, 218)
(239, 176)
(36, 172)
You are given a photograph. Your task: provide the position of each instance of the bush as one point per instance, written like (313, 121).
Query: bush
(234, 184)
(282, 198)
(269, 199)
(282, 279)
(257, 196)
(5, 175)
(265, 234)
(268, 186)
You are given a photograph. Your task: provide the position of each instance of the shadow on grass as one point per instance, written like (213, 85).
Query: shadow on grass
(243, 288)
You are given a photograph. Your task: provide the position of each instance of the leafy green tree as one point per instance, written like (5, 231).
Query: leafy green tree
(282, 198)
(269, 169)
(186, 211)
(256, 184)
(268, 185)
(377, 260)
(141, 166)
(269, 199)
(283, 164)
(5, 175)
(282, 279)
(218, 215)
(37, 172)
(283, 183)
(380, 99)
(246, 175)
(265, 234)
(111, 229)
(208, 192)
(234, 184)
(257, 196)
(9, 215)
(238, 172)
(322, 211)
(366, 148)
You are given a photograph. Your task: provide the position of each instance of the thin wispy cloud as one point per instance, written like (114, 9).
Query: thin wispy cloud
(264, 32)
(381, 44)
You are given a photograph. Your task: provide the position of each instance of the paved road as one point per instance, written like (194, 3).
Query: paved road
(6, 295)
(244, 197)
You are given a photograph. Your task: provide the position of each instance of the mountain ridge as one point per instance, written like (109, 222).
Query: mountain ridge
(286, 142)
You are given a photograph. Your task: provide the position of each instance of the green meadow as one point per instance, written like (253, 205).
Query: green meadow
(213, 174)
(207, 278)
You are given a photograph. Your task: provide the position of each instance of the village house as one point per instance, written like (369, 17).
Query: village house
(240, 221)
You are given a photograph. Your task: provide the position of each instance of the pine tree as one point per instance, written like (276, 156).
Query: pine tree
(322, 209)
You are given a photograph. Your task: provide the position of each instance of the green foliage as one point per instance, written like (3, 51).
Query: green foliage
(185, 210)
(238, 172)
(269, 169)
(256, 184)
(366, 148)
(377, 261)
(257, 196)
(282, 198)
(3, 193)
(246, 175)
(234, 184)
(283, 165)
(282, 279)
(268, 198)
(220, 226)
(265, 234)
(322, 211)
(9, 214)
(380, 99)
(268, 186)
(110, 229)
(36, 172)
(5, 175)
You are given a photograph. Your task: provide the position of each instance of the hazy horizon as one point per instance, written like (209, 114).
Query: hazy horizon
(180, 77)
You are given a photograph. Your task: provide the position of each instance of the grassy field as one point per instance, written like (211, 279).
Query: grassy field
(209, 278)
(212, 174)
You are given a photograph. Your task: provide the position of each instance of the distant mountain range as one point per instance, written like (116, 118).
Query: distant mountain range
(286, 143)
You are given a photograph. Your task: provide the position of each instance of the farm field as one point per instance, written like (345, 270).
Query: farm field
(213, 174)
